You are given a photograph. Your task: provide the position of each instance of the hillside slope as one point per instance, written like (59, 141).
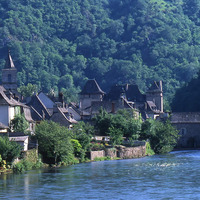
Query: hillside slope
(58, 44)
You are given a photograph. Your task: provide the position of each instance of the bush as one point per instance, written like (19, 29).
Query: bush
(25, 165)
(9, 150)
(149, 150)
(54, 141)
(19, 167)
(162, 135)
(102, 158)
(97, 146)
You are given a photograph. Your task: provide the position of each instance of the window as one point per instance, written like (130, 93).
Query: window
(9, 78)
(183, 131)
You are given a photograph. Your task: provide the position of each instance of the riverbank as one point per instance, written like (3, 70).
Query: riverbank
(155, 177)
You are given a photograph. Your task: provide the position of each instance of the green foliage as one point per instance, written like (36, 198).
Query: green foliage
(122, 124)
(0, 158)
(102, 158)
(19, 168)
(27, 91)
(9, 150)
(161, 135)
(58, 45)
(149, 150)
(54, 142)
(187, 98)
(83, 133)
(78, 151)
(116, 136)
(94, 146)
(25, 165)
(19, 123)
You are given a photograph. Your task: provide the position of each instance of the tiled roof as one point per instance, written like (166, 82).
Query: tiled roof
(91, 87)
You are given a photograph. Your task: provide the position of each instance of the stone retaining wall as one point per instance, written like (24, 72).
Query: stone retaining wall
(131, 152)
(121, 152)
(97, 154)
(111, 152)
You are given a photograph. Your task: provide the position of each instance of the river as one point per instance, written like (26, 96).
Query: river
(171, 176)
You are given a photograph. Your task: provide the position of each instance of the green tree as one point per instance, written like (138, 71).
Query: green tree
(83, 132)
(28, 90)
(19, 124)
(9, 150)
(54, 142)
(162, 135)
(116, 136)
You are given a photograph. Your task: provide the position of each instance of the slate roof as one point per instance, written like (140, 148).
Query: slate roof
(3, 126)
(37, 105)
(6, 98)
(35, 115)
(155, 86)
(19, 138)
(129, 91)
(152, 107)
(133, 93)
(61, 117)
(27, 114)
(9, 62)
(115, 93)
(65, 114)
(91, 87)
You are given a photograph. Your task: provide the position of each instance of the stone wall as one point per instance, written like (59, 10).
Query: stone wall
(189, 135)
(121, 152)
(111, 152)
(97, 154)
(131, 152)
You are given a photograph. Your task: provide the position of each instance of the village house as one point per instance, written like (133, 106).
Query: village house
(44, 108)
(127, 96)
(188, 124)
(10, 106)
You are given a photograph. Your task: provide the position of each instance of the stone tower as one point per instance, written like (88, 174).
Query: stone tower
(9, 75)
(90, 93)
(155, 94)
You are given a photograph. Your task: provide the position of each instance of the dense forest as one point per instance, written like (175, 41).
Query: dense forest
(59, 44)
(187, 98)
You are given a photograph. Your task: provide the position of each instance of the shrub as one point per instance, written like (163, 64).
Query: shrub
(9, 150)
(97, 146)
(149, 150)
(102, 158)
(54, 141)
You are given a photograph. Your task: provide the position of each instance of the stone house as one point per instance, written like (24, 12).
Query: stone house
(127, 96)
(44, 108)
(9, 108)
(188, 124)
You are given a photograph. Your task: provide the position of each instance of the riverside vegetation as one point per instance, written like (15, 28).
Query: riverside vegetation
(61, 146)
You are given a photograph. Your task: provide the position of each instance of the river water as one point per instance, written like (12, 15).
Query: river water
(171, 176)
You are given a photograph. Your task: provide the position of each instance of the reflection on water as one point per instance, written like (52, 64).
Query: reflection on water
(172, 176)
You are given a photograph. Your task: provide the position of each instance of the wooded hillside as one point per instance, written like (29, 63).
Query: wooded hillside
(58, 44)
